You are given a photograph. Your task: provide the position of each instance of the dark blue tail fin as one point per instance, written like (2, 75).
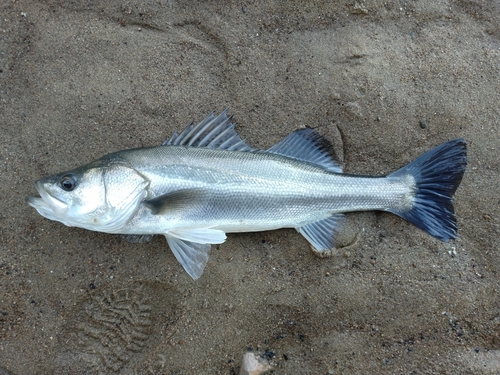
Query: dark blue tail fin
(437, 174)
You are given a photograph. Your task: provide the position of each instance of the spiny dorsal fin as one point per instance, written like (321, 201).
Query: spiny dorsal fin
(307, 145)
(212, 132)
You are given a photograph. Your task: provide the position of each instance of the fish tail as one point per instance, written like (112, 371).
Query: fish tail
(436, 175)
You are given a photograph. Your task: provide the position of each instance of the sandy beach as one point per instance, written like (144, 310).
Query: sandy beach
(383, 81)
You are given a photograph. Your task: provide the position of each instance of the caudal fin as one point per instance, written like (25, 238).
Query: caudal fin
(437, 174)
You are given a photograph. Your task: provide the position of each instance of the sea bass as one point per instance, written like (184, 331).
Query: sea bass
(207, 181)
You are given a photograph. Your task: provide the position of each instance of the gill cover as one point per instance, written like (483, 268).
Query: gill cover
(124, 191)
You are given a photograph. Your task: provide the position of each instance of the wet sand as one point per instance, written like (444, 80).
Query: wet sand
(384, 81)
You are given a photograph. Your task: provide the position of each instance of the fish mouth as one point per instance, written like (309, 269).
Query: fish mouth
(46, 204)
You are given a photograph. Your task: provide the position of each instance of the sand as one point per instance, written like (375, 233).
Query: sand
(384, 81)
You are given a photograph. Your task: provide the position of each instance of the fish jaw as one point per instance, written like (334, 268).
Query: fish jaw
(47, 205)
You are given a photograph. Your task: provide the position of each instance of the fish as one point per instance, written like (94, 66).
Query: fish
(206, 181)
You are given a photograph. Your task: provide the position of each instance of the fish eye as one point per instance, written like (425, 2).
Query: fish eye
(68, 182)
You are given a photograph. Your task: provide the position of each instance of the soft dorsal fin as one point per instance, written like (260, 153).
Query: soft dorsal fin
(212, 132)
(307, 145)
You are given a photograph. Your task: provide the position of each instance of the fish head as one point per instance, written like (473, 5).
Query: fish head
(100, 196)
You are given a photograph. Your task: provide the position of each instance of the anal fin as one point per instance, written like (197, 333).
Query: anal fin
(321, 234)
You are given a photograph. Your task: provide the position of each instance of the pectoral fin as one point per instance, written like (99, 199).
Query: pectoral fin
(321, 234)
(191, 247)
(176, 200)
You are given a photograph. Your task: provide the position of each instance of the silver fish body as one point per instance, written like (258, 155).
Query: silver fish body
(251, 191)
(206, 182)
